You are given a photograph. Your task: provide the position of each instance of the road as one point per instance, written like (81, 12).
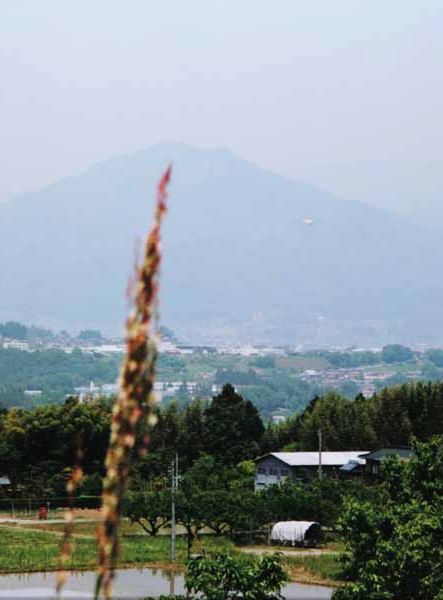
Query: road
(300, 552)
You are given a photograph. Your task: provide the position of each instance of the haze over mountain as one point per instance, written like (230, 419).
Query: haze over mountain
(239, 260)
(407, 184)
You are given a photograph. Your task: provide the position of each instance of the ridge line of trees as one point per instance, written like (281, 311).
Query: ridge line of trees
(37, 447)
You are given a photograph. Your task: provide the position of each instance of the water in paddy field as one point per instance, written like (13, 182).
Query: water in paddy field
(129, 583)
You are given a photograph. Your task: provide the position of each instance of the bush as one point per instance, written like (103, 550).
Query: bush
(224, 577)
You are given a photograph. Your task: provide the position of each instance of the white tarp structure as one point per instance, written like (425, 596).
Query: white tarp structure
(292, 532)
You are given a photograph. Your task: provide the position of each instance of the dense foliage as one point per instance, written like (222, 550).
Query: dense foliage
(274, 384)
(351, 359)
(53, 372)
(224, 577)
(395, 546)
(390, 417)
(396, 353)
(222, 499)
(37, 447)
(56, 373)
(13, 330)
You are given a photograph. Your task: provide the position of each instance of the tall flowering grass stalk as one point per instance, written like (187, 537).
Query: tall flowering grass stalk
(135, 398)
(75, 480)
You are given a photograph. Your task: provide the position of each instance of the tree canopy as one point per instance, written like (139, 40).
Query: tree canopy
(394, 546)
(233, 428)
(394, 353)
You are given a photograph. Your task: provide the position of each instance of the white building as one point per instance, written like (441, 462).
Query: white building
(16, 345)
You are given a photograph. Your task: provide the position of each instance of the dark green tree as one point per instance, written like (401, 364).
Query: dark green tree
(93, 336)
(191, 436)
(13, 330)
(233, 428)
(394, 353)
(151, 509)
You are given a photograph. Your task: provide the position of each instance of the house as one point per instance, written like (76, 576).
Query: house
(374, 459)
(276, 467)
(5, 484)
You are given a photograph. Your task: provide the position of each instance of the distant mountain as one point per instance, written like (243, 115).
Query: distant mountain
(405, 184)
(240, 260)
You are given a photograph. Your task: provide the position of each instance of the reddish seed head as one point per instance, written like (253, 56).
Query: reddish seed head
(137, 377)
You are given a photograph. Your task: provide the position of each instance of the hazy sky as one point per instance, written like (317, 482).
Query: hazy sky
(347, 93)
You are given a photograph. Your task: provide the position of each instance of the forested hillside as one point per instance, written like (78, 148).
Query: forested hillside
(391, 417)
(277, 385)
(53, 372)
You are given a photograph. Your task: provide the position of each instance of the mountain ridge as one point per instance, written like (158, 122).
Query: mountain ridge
(236, 246)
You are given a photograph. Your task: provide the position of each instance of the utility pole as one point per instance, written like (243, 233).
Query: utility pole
(174, 484)
(319, 455)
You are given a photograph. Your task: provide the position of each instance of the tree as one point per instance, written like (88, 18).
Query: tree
(191, 436)
(92, 336)
(430, 371)
(151, 509)
(92, 485)
(12, 445)
(200, 497)
(393, 353)
(223, 577)
(13, 330)
(248, 377)
(394, 545)
(167, 333)
(233, 428)
(164, 438)
(394, 426)
(320, 500)
(264, 362)
(435, 355)
(333, 414)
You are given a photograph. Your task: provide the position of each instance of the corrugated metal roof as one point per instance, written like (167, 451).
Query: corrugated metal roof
(311, 459)
(353, 464)
(382, 453)
(349, 466)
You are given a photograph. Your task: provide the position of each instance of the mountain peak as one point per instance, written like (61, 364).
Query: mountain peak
(236, 245)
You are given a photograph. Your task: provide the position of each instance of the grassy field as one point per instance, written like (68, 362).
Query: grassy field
(314, 569)
(298, 364)
(36, 548)
(29, 550)
(32, 549)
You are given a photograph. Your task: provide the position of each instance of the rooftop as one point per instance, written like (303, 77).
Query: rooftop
(403, 452)
(308, 459)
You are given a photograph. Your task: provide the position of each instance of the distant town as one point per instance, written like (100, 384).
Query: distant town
(187, 372)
